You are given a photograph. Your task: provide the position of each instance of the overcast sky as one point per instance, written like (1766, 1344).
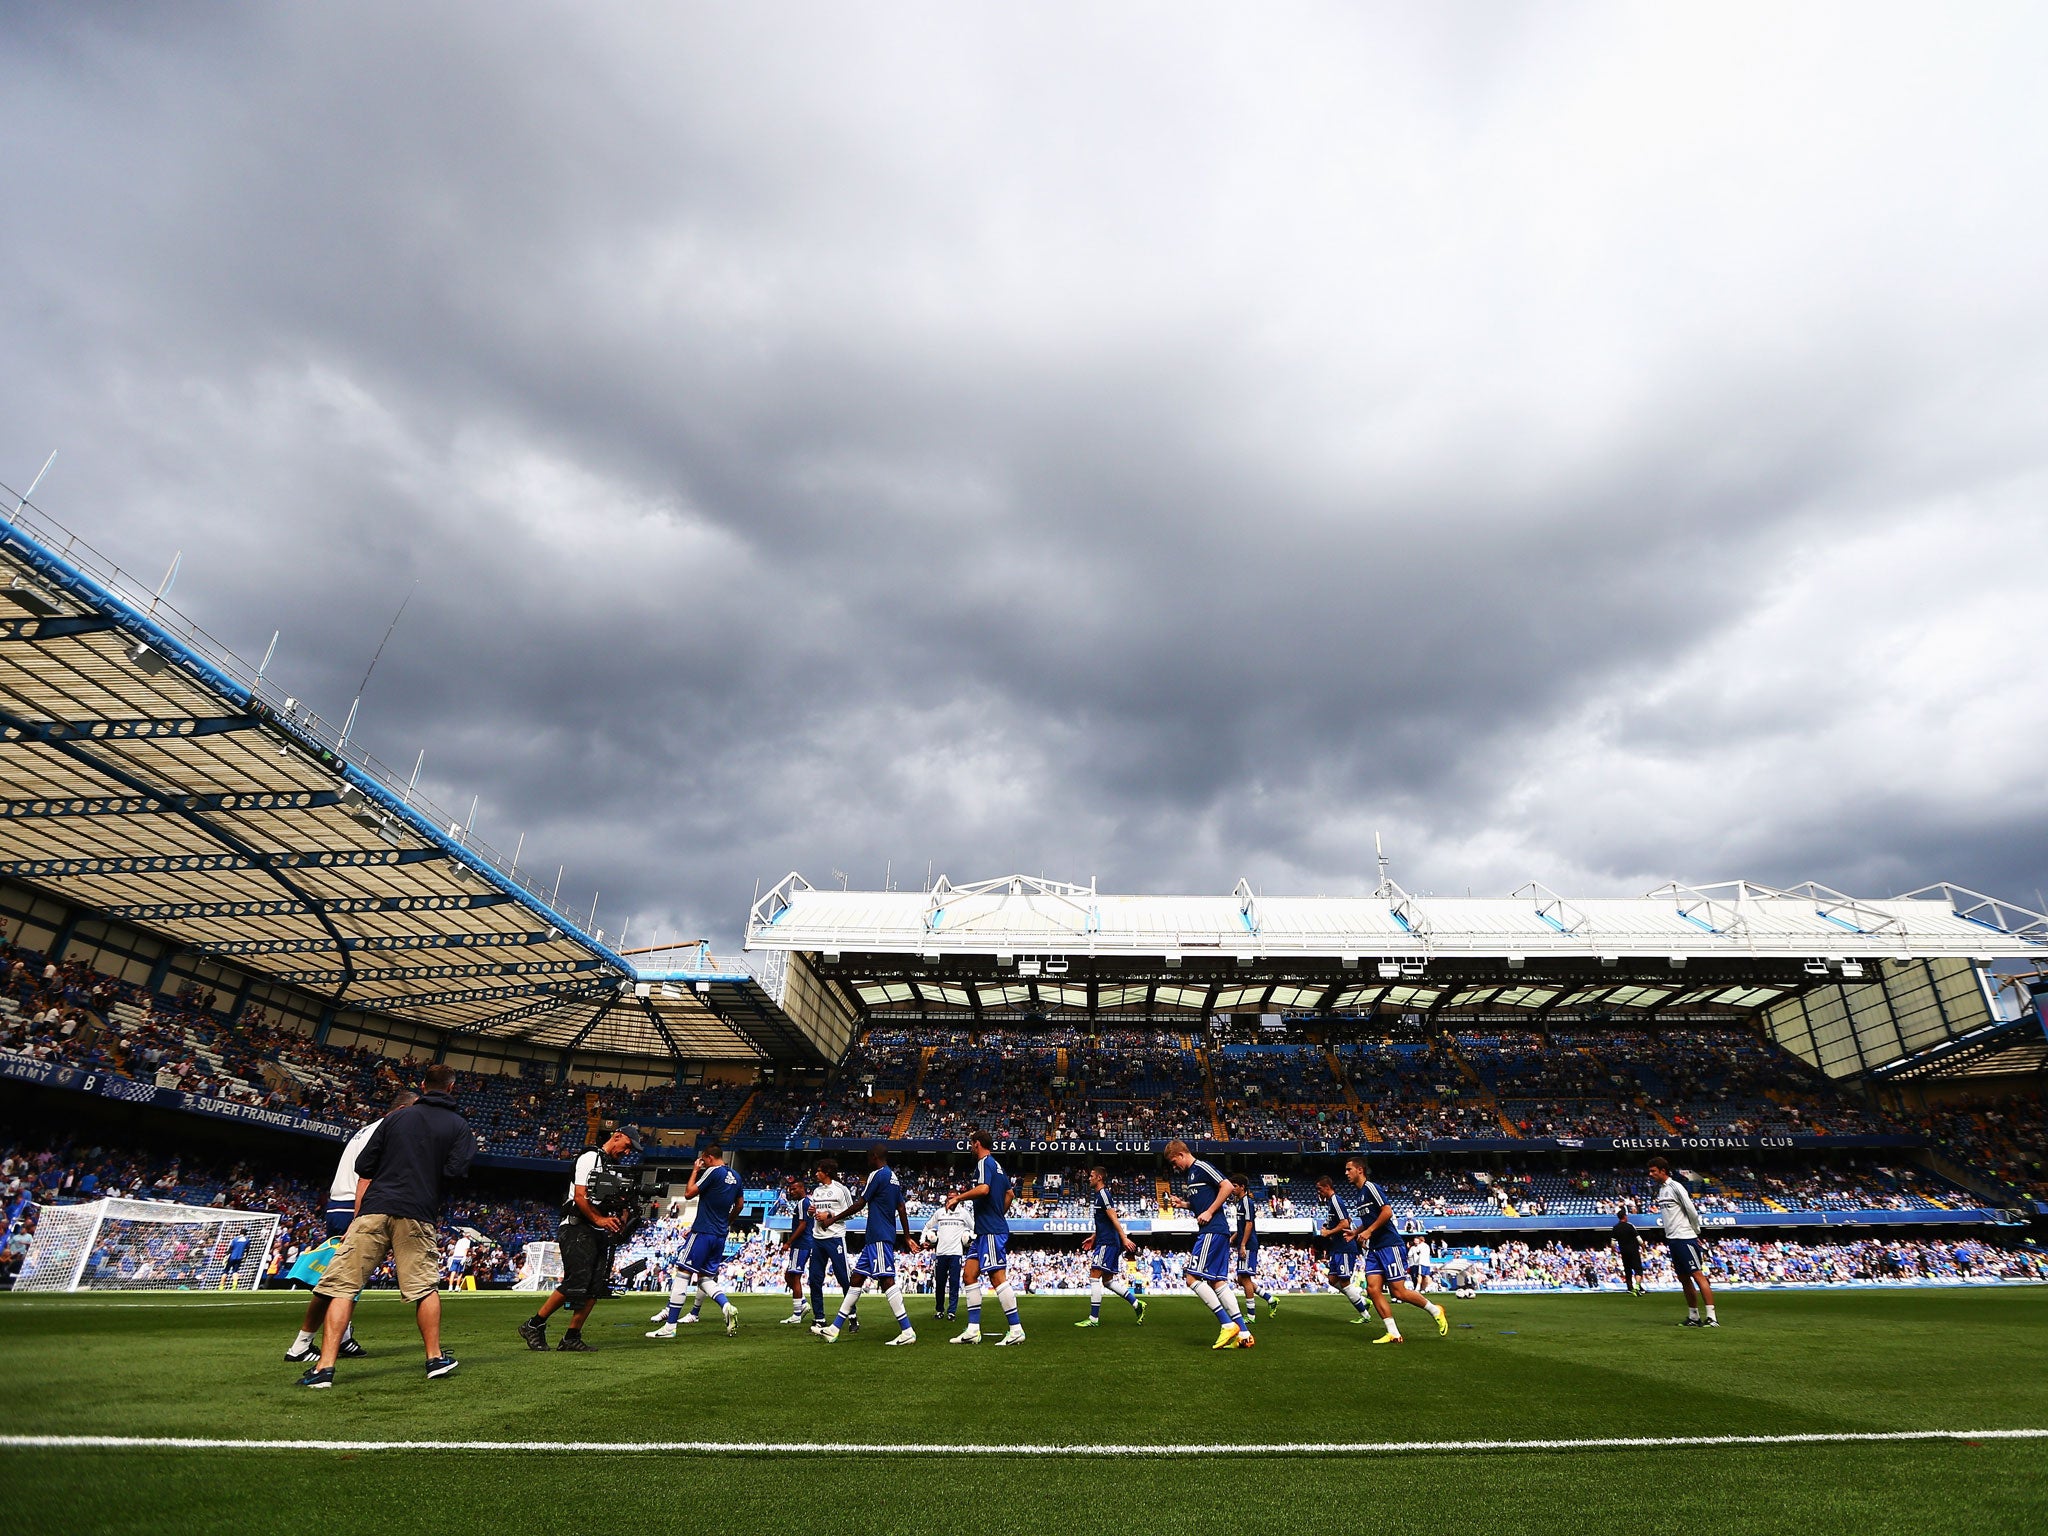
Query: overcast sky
(1159, 443)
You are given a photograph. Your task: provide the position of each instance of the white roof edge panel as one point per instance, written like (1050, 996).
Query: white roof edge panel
(1775, 926)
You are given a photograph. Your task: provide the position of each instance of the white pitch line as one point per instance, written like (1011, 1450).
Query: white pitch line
(913, 1448)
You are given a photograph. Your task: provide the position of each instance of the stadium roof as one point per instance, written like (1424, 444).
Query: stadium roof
(1020, 944)
(147, 773)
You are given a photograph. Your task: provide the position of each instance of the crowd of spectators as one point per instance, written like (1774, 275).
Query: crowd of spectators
(1518, 1266)
(2008, 1142)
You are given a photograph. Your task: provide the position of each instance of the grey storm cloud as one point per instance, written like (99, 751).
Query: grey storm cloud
(1161, 444)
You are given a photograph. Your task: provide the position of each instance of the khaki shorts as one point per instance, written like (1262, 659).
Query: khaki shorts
(415, 1248)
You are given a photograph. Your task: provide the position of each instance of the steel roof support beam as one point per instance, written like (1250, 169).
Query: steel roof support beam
(176, 911)
(199, 863)
(471, 995)
(591, 1023)
(571, 993)
(15, 728)
(54, 731)
(160, 805)
(36, 630)
(384, 944)
(661, 1027)
(513, 968)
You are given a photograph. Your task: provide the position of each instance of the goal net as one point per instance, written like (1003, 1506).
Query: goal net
(145, 1245)
(540, 1267)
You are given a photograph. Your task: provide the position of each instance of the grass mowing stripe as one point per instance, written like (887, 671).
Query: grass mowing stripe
(855, 1448)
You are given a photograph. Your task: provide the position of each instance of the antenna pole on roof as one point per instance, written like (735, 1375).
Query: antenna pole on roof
(556, 896)
(413, 783)
(164, 586)
(472, 816)
(21, 501)
(593, 911)
(349, 724)
(264, 666)
(379, 654)
(521, 848)
(1380, 854)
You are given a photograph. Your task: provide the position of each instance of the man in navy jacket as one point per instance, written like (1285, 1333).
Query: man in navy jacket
(408, 1161)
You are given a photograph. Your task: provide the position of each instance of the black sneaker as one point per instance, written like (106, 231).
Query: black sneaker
(535, 1334)
(573, 1344)
(305, 1356)
(441, 1365)
(317, 1378)
(351, 1350)
(1692, 1322)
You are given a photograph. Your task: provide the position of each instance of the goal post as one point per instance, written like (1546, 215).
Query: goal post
(148, 1245)
(540, 1267)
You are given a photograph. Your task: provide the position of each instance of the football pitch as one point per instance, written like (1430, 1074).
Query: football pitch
(1121, 1429)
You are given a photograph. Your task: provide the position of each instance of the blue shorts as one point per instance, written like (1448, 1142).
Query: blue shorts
(1343, 1264)
(1211, 1257)
(1107, 1257)
(338, 1218)
(1685, 1254)
(877, 1261)
(1248, 1261)
(1391, 1262)
(991, 1250)
(706, 1253)
(797, 1260)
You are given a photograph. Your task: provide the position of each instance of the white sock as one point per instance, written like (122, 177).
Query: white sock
(707, 1287)
(1692, 1311)
(1006, 1298)
(1119, 1286)
(1227, 1294)
(301, 1341)
(679, 1292)
(973, 1299)
(1710, 1313)
(894, 1296)
(1095, 1296)
(1354, 1295)
(1206, 1293)
(1393, 1328)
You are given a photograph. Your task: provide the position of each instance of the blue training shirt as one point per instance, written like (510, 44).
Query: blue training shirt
(989, 1209)
(718, 1194)
(1204, 1184)
(885, 1197)
(1334, 1212)
(1105, 1226)
(1367, 1202)
(1248, 1214)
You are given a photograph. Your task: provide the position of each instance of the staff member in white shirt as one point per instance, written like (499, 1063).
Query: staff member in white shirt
(1421, 1261)
(947, 1234)
(1680, 1219)
(344, 1195)
(829, 1199)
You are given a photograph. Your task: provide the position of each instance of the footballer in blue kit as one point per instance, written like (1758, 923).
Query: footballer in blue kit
(1247, 1245)
(718, 1193)
(989, 1258)
(888, 1211)
(1106, 1260)
(1208, 1270)
(797, 1254)
(1378, 1231)
(1334, 1226)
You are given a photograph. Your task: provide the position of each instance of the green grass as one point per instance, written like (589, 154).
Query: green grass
(1513, 1369)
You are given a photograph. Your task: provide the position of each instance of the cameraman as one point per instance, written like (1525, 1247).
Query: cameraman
(586, 1235)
